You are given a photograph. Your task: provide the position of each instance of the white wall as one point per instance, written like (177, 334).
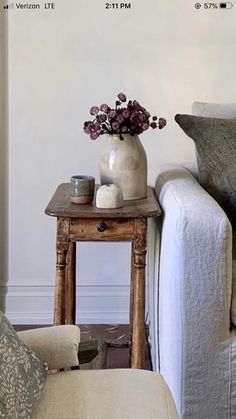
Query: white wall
(3, 155)
(165, 54)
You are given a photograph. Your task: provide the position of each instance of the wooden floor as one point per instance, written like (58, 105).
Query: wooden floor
(110, 338)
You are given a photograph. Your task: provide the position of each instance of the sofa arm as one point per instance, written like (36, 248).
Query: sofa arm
(194, 292)
(58, 346)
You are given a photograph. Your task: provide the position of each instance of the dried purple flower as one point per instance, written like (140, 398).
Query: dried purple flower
(126, 113)
(120, 119)
(112, 113)
(136, 104)
(104, 108)
(122, 97)
(94, 110)
(142, 117)
(134, 114)
(132, 119)
(145, 126)
(101, 118)
(94, 135)
(153, 125)
(115, 126)
(87, 130)
(161, 123)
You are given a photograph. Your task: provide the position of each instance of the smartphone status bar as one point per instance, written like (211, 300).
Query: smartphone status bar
(214, 6)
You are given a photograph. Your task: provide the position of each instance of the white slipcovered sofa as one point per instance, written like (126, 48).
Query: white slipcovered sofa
(192, 296)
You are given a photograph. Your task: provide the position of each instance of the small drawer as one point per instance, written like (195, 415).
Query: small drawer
(96, 229)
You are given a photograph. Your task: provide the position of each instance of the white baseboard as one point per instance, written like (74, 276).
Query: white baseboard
(46, 318)
(95, 304)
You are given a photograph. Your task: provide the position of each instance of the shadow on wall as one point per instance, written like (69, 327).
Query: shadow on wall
(3, 158)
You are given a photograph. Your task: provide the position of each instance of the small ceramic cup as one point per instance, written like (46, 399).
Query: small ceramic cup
(82, 189)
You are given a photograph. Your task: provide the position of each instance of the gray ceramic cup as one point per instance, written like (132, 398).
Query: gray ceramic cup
(82, 189)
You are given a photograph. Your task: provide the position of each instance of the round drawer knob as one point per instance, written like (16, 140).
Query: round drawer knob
(101, 227)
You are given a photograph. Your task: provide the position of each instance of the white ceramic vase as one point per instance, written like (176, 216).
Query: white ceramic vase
(124, 163)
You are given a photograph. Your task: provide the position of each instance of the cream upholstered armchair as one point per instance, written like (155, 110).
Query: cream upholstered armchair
(193, 292)
(97, 394)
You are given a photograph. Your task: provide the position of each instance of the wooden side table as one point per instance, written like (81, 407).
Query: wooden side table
(88, 223)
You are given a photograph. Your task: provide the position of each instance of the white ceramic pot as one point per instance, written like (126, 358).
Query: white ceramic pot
(109, 196)
(124, 163)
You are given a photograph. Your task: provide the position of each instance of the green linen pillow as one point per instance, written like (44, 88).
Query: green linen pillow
(215, 140)
(21, 374)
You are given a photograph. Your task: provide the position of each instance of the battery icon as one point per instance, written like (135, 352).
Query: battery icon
(227, 5)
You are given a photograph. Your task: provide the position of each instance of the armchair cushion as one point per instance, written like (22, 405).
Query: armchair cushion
(22, 374)
(217, 110)
(215, 139)
(56, 345)
(105, 394)
(214, 110)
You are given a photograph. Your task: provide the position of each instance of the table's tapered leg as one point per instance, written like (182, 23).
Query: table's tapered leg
(61, 248)
(59, 304)
(131, 297)
(138, 280)
(131, 286)
(70, 301)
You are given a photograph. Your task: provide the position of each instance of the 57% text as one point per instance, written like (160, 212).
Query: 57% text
(210, 6)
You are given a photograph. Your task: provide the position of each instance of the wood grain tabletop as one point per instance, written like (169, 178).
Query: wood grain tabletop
(61, 206)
